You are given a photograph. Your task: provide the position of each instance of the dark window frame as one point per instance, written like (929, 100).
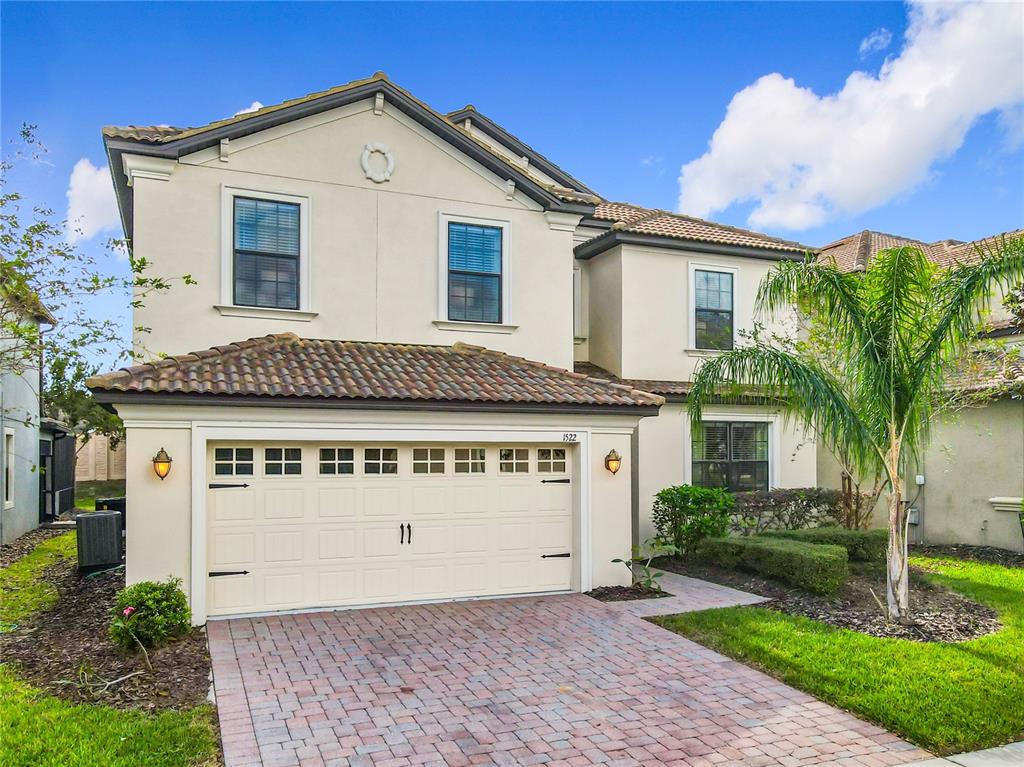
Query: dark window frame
(730, 465)
(500, 274)
(236, 252)
(730, 312)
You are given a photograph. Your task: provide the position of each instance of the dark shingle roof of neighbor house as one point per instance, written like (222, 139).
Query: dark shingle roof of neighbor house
(286, 367)
(855, 252)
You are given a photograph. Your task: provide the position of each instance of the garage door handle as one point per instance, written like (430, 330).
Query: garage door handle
(555, 556)
(220, 573)
(554, 481)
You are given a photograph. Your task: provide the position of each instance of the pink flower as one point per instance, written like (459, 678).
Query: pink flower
(127, 612)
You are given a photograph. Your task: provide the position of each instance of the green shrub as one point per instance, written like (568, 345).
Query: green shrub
(685, 515)
(860, 545)
(149, 613)
(786, 508)
(820, 568)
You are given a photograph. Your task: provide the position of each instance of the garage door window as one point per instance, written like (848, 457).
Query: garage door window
(337, 460)
(233, 461)
(551, 460)
(470, 460)
(380, 460)
(428, 460)
(514, 460)
(278, 461)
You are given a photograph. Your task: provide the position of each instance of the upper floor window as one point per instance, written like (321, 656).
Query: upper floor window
(474, 272)
(713, 309)
(266, 253)
(731, 454)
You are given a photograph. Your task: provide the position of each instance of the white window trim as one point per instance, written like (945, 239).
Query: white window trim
(774, 441)
(443, 322)
(691, 313)
(9, 467)
(227, 304)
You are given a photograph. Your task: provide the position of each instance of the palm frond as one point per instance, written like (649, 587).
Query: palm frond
(799, 386)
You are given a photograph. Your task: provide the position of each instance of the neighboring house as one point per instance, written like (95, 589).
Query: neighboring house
(392, 301)
(97, 460)
(973, 470)
(19, 449)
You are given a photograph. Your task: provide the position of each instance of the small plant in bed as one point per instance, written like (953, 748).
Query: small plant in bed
(644, 577)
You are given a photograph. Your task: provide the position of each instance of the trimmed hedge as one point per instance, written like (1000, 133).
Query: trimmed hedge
(860, 545)
(820, 568)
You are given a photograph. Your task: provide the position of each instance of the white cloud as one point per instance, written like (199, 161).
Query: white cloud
(92, 207)
(804, 158)
(877, 41)
(253, 107)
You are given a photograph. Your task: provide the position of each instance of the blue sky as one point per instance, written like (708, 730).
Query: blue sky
(621, 95)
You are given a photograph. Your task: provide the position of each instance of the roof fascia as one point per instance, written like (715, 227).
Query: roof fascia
(510, 142)
(598, 245)
(110, 398)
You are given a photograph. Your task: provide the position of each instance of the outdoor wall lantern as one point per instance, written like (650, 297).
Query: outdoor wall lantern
(613, 461)
(162, 464)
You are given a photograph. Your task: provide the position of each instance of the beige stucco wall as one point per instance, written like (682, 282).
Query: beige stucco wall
(975, 455)
(373, 248)
(604, 310)
(159, 521)
(665, 453)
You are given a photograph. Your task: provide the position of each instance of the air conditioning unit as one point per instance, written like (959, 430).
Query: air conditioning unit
(99, 540)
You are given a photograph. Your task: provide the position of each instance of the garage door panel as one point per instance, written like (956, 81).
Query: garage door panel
(232, 505)
(338, 503)
(382, 502)
(336, 544)
(322, 540)
(284, 503)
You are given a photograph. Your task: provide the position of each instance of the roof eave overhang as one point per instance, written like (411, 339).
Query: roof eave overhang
(109, 399)
(513, 144)
(598, 245)
(117, 147)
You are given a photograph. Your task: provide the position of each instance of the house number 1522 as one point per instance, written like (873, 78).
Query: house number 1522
(569, 436)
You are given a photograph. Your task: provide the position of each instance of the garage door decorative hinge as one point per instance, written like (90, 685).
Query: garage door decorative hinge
(555, 556)
(222, 485)
(555, 481)
(219, 573)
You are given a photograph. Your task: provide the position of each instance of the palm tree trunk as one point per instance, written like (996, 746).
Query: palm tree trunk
(897, 583)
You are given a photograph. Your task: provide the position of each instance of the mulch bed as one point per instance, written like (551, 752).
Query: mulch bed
(986, 554)
(939, 615)
(67, 651)
(19, 547)
(626, 593)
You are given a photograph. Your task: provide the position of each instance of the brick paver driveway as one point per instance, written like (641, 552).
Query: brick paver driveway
(559, 680)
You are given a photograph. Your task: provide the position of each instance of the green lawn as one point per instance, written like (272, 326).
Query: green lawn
(41, 730)
(86, 493)
(22, 589)
(946, 698)
(44, 731)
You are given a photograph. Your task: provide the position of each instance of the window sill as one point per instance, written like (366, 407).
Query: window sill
(475, 327)
(259, 312)
(705, 352)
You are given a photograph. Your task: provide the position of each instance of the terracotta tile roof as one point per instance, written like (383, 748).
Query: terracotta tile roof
(855, 251)
(162, 134)
(664, 388)
(286, 366)
(662, 223)
(989, 370)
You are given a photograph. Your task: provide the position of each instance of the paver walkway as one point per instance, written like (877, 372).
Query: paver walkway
(558, 680)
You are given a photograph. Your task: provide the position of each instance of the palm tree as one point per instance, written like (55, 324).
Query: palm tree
(901, 327)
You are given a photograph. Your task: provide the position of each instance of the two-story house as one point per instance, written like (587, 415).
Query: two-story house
(383, 407)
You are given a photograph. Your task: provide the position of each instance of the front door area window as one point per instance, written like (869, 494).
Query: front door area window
(731, 454)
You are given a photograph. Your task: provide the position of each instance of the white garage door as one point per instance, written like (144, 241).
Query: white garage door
(305, 525)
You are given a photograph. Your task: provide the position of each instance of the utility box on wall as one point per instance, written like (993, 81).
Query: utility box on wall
(99, 540)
